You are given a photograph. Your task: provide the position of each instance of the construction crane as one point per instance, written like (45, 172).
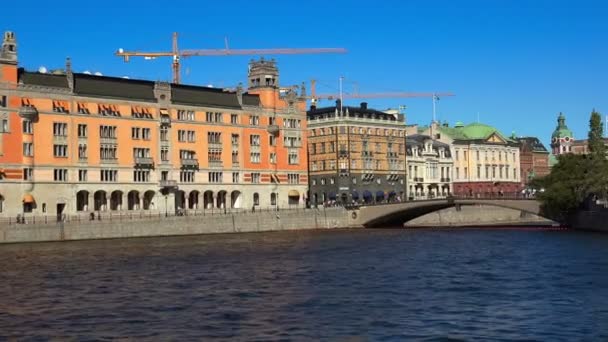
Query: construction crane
(177, 54)
(314, 97)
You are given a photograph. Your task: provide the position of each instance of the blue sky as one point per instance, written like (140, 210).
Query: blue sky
(514, 64)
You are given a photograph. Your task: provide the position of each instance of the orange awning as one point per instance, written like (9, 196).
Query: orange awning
(293, 193)
(28, 198)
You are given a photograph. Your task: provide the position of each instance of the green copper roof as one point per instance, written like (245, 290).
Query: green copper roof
(562, 131)
(473, 131)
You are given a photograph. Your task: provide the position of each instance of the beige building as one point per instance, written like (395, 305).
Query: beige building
(429, 168)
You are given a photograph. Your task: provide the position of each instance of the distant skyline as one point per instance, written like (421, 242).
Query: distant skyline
(512, 64)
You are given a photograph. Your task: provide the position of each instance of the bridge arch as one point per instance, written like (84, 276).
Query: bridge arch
(393, 215)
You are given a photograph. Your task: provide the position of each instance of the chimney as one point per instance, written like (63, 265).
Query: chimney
(363, 105)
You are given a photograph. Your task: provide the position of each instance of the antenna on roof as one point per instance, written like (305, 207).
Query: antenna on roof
(42, 70)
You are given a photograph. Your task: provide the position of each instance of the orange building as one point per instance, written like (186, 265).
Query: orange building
(72, 142)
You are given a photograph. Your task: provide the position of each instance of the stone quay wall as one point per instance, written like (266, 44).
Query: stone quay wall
(475, 215)
(178, 225)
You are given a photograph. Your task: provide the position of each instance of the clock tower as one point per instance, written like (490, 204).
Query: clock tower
(562, 138)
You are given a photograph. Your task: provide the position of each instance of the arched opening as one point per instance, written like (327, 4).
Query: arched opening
(315, 198)
(149, 199)
(235, 199)
(100, 200)
(293, 197)
(208, 199)
(367, 196)
(344, 198)
(221, 199)
(1, 203)
(379, 196)
(133, 200)
(180, 199)
(273, 198)
(193, 199)
(116, 200)
(256, 199)
(392, 197)
(82, 200)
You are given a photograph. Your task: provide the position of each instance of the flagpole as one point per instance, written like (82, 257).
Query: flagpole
(434, 98)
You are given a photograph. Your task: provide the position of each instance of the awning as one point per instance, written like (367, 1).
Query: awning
(164, 111)
(367, 194)
(293, 193)
(392, 193)
(28, 198)
(355, 194)
(332, 195)
(379, 194)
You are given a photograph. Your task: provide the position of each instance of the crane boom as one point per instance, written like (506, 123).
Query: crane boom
(177, 54)
(379, 95)
(279, 51)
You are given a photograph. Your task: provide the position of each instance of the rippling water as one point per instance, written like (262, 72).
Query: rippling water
(348, 285)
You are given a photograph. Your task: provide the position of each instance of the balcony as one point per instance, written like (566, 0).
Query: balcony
(391, 154)
(108, 140)
(144, 162)
(419, 179)
(215, 164)
(60, 139)
(215, 145)
(273, 129)
(236, 165)
(190, 163)
(165, 120)
(28, 113)
(343, 154)
(109, 161)
(255, 148)
(445, 180)
(367, 153)
(167, 183)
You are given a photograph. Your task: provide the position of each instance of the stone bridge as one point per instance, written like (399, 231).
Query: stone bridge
(392, 215)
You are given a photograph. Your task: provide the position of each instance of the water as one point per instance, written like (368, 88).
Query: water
(354, 285)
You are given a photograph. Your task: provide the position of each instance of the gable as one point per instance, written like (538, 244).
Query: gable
(495, 138)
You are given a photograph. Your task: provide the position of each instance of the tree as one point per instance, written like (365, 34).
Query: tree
(595, 142)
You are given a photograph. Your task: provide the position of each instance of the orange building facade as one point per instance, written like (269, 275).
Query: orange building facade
(75, 143)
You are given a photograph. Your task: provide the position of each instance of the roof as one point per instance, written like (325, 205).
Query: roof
(352, 112)
(562, 131)
(203, 96)
(419, 139)
(532, 144)
(251, 99)
(113, 87)
(473, 131)
(44, 80)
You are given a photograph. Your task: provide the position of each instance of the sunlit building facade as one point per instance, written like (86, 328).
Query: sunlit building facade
(77, 143)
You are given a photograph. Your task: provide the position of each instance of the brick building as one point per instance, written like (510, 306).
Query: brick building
(534, 159)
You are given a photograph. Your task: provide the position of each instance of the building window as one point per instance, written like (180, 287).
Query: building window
(273, 158)
(28, 149)
(28, 173)
(4, 127)
(254, 120)
(214, 137)
(186, 136)
(293, 178)
(60, 129)
(314, 182)
(82, 131)
(141, 176)
(28, 127)
(354, 180)
(60, 175)
(107, 152)
(235, 157)
(3, 104)
(139, 152)
(293, 158)
(255, 177)
(108, 175)
(164, 153)
(82, 175)
(214, 156)
(107, 132)
(322, 181)
(135, 133)
(256, 199)
(254, 140)
(185, 115)
(164, 134)
(60, 151)
(215, 177)
(60, 106)
(213, 117)
(83, 108)
(146, 133)
(255, 157)
(82, 151)
(235, 177)
(186, 176)
(273, 198)
(234, 119)
(272, 140)
(234, 139)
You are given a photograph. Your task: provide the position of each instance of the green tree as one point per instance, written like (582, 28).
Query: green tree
(595, 142)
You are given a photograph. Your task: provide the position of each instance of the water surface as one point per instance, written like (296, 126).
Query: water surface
(346, 285)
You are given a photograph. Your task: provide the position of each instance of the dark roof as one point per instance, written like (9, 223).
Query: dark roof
(532, 143)
(352, 112)
(113, 87)
(203, 96)
(45, 80)
(251, 99)
(416, 139)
